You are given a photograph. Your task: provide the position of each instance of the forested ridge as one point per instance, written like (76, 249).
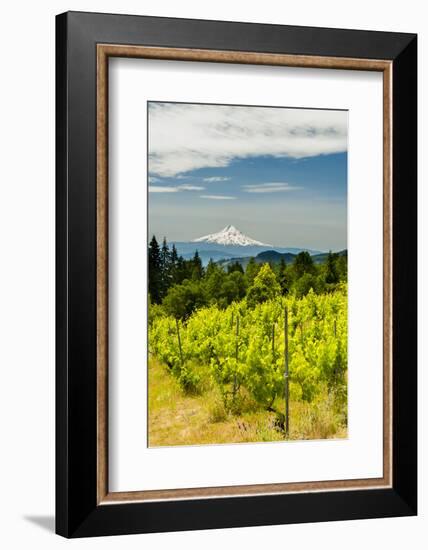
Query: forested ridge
(182, 286)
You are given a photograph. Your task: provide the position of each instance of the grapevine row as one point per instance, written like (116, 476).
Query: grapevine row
(243, 347)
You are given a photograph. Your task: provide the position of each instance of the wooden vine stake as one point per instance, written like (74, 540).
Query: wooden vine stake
(235, 382)
(286, 372)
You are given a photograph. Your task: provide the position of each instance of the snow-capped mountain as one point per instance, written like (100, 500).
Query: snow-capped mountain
(230, 235)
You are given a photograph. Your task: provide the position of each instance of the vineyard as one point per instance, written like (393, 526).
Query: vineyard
(272, 360)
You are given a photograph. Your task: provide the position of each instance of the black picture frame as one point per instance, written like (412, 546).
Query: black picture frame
(77, 511)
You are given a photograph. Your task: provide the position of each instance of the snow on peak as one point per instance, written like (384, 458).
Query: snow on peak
(230, 235)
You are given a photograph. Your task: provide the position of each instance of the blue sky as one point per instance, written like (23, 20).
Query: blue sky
(279, 175)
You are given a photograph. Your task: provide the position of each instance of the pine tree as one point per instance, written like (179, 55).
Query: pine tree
(303, 263)
(180, 270)
(174, 255)
(165, 268)
(342, 266)
(165, 254)
(155, 276)
(197, 272)
(331, 275)
(235, 266)
(173, 265)
(212, 267)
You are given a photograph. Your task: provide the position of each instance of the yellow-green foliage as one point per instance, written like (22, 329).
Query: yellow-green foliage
(243, 347)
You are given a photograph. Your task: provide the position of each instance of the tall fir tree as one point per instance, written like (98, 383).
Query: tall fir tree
(197, 267)
(235, 266)
(303, 263)
(342, 266)
(331, 275)
(155, 276)
(211, 268)
(173, 264)
(165, 268)
(174, 255)
(181, 270)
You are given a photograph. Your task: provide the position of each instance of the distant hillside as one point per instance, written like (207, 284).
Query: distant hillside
(321, 258)
(207, 255)
(274, 257)
(208, 250)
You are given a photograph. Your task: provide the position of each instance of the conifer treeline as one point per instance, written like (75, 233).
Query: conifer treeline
(182, 285)
(167, 268)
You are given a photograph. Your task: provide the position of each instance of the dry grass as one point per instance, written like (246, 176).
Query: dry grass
(179, 419)
(315, 421)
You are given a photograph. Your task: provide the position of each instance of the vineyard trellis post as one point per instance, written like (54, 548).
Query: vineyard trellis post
(235, 383)
(286, 372)
(179, 341)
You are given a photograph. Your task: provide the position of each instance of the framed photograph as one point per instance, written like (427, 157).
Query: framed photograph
(236, 274)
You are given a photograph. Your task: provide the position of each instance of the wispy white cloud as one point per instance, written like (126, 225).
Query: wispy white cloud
(218, 197)
(174, 188)
(216, 178)
(274, 187)
(187, 187)
(153, 179)
(162, 189)
(185, 137)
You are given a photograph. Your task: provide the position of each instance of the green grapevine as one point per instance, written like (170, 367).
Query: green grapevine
(243, 347)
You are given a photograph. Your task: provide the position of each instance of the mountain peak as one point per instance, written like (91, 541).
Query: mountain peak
(230, 235)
